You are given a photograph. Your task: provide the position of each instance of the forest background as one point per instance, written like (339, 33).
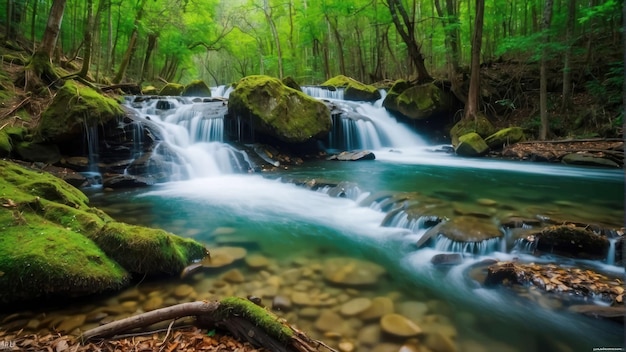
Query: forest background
(575, 46)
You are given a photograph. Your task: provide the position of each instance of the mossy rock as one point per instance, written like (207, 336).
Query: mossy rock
(354, 90)
(278, 111)
(480, 125)
(416, 102)
(172, 89)
(42, 152)
(147, 251)
(505, 136)
(150, 90)
(291, 83)
(5, 144)
(196, 89)
(72, 107)
(571, 241)
(588, 160)
(471, 144)
(47, 245)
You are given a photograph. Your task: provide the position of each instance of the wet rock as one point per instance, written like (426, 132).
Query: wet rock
(379, 307)
(440, 343)
(463, 229)
(126, 181)
(233, 276)
(447, 259)
(95, 317)
(588, 160)
(224, 256)
(614, 313)
(355, 306)
(182, 291)
(471, 145)
(352, 272)
(257, 262)
(196, 88)
(487, 202)
(519, 221)
(311, 300)
(413, 310)
(354, 156)
(309, 312)
(398, 325)
(346, 346)
(504, 137)
(570, 241)
(281, 303)
(328, 321)
(369, 335)
(72, 322)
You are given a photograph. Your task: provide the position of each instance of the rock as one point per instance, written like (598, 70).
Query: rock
(41, 152)
(588, 159)
(233, 276)
(570, 241)
(354, 156)
(291, 83)
(447, 259)
(305, 299)
(154, 302)
(328, 321)
(487, 202)
(127, 181)
(182, 291)
(70, 323)
(464, 229)
(614, 313)
(355, 306)
(149, 90)
(352, 272)
(479, 125)
(309, 312)
(95, 317)
(413, 310)
(471, 144)
(354, 90)
(379, 306)
(369, 335)
(439, 342)
(278, 111)
(196, 89)
(346, 346)
(398, 325)
(171, 89)
(257, 262)
(504, 137)
(416, 102)
(281, 303)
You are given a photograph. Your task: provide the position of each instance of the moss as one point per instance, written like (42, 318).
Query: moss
(480, 125)
(72, 107)
(258, 316)
(291, 83)
(197, 89)
(471, 144)
(147, 251)
(355, 90)
(38, 257)
(279, 111)
(5, 144)
(150, 90)
(172, 89)
(416, 101)
(505, 136)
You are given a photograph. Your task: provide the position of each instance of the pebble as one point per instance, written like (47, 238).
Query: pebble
(346, 346)
(379, 307)
(281, 303)
(413, 310)
(182, 291)
(233, 276)
(95, 316)
(257, 261)
(153, 303)
(72, 322)
(437, 341)
(309, 312)
(129, 295)
(369, 335)
(486, 202)
(355, 306)
(398, 325)
(352, 272)
(328, 321)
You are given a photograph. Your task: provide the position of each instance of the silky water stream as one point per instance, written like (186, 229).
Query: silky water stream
(323, 259)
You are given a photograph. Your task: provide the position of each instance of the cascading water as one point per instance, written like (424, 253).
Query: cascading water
(92, 174)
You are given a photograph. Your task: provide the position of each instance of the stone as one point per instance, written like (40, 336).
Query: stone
(233, 276)
(570, 241)
(399, 325)
(257, 261)
(282, 303)
(439, 342)
(380, 306)
(355, 306)
(354, 90)
(127, 181)
(309, 312)
(487, 202)
(587, 159)
(416, 102)
(447, 259)
(328, 321)
(369, 335)
(182, 291)
(354, 156)
(352, 272)
(346, 346)
(466, 229)
(95, 316)
(413, 310)
(480, 125)
(386, 347)
(471, 145)
(154, 302)
(171, 89)
(504, 137)
(196, 88)
(70, 323)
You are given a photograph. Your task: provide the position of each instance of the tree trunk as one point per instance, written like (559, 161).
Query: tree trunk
(132, 45)
(270, 21)
(543, 79)
(406, 29)
(567, 70)
(33, 21)
(52, 28)
(89, 27)
(471, 108)
(152, 39)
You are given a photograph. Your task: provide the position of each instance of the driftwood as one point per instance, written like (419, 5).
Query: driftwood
(240, 317)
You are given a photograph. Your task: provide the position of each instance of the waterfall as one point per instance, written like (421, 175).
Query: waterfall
(610, 256)
(191, 138)
(323, 92)
(92, 174)
(487, 246)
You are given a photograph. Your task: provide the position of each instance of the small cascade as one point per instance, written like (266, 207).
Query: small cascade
(221, 91)
(92, 174)
(192, 139)
(522, 245)
(610, 256)
(487, 246)
(323, 92)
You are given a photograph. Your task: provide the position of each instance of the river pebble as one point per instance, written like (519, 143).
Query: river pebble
(233, 276)
(153, 303)
(328, 321)
(398, 325)
(182, 291)
(439, 342)
(257, 261)
(355, 306)
(72, 322)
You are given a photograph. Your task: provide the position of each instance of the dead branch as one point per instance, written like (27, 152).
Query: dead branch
(16, 108)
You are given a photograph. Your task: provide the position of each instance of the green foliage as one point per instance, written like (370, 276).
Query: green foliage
(608, 89)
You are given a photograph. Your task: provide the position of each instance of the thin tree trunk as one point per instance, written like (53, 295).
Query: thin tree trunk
(543, 82)
(270, 21)
(152, 39)
(567, 70)
(132, 45)
(89, 26)
(8, 33)
(471, 108)
(53, 28)
(33, 21)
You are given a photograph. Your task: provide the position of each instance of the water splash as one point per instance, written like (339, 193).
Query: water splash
(323, 92)
(487, 246)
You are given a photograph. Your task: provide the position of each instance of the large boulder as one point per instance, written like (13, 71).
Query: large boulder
(49, 243)
(172, 89)
(588, 159)
(73, 107)
(480, 125)
(196, 89)
(278, 111)
(354, 90)
(471, 144)
(504, 137)
(416, 102)
(570, 241)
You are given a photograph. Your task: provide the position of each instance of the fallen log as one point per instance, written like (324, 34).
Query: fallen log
(240, 317)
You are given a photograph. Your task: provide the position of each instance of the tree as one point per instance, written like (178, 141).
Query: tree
(471, 108)
(84, 71)
(543, 80)
(406, 28)
(132, 43)
(567, 61)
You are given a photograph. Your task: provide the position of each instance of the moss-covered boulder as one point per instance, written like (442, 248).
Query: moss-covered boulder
(5, 144)
(505, 136)
(471, 144)
(196, 89)
(72, 107)
(49, 241)
(354, 90)
(416, 102)
(481, 125)
(291, 83)
(278, 111)
(42, 152)
(150, 90)
(172, 89)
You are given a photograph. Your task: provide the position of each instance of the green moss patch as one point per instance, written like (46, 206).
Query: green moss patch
(149, 90)
(5, 144)
(480, 125)
(72, 107)
(147, 251)
(172, 89)
(196, 89)
(355, 90)
(471, 144)
(259, 316)
(505, 136)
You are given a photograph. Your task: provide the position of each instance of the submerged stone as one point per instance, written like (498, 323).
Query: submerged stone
(352, 272)
(398, 325)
